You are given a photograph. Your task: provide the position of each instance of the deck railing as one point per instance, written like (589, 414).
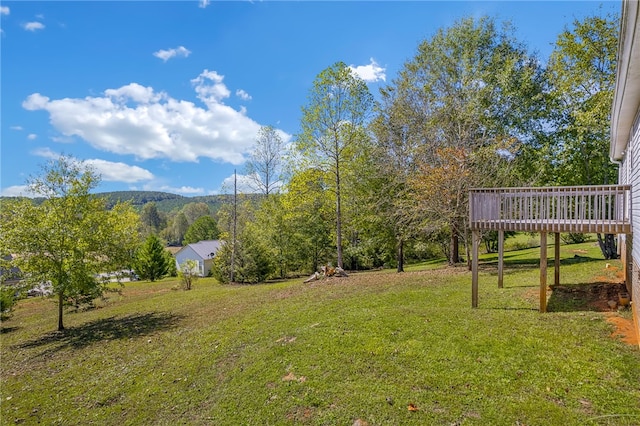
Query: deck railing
(585, 209)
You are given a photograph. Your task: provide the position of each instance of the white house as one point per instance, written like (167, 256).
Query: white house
(625, 139)
(202, 252)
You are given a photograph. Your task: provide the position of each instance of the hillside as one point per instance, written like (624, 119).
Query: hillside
(165, 201)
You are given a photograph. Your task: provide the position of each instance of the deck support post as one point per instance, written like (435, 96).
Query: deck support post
(543, 272)
(500, 258)
(556, 246)
(475, 240)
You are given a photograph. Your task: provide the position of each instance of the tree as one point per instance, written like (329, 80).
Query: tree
(333, 128)
(151, 220)
(204, 228)
(470, 87)
(193, 211)
(188, 273)
(264, 164)
(310, 211)
(70, 238)
(582, 73)
(178, 228)
(151, 261)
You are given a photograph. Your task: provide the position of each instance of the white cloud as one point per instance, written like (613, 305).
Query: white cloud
(185, 190)
(4, 10)
(119, 172)
(32, 136)
(33, 26)
(165, 55)
(35, 101)
(16, 128)
(370, 73)
(134, 92)
(136, 120)
(45, 153)
(244, 183)
(108, 170)
(204, 3)
(17, 191)
(210, 94)
(243, 95)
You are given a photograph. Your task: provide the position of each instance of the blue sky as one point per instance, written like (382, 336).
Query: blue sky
(169, 96)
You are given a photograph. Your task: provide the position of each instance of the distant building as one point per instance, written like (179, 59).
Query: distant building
(202, 252)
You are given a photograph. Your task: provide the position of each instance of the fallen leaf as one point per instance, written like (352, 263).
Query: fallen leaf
(289, 377)
(412, 407)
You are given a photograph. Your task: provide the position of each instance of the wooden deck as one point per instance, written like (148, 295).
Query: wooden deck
(579, 209)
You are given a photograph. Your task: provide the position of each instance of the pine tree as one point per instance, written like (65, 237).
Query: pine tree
(151, 262)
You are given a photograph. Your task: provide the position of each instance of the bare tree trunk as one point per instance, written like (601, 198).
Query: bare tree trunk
(60, 311)
(338, 215)
(235, 223)
(400, 255)
(455, 249)
(608, 246)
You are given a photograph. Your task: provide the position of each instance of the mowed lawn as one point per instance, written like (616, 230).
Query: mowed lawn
(376, 348)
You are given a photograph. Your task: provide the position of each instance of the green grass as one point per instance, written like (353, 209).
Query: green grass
(329, 353)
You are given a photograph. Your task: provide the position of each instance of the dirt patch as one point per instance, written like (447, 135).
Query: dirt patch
(599, 296)
(624, 329)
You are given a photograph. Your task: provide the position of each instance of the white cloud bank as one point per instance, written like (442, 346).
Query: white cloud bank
(179, 51)
(17, 191)
(4, 10)
(370, 73)
(33, 26)
(108, 170)
(137, 120)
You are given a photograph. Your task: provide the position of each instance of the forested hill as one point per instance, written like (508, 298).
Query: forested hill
(164, 201)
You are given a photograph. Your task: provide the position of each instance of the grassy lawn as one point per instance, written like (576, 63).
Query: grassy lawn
(358, 350)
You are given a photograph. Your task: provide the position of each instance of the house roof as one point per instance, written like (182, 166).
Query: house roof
(626, 98)
(205, 249)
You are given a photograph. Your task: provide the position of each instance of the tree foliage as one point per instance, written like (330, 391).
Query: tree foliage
(581, 74)
(189, 273)
(151, 261)
(333, 129)
(470, 88)
(203, 228)
(71, 237)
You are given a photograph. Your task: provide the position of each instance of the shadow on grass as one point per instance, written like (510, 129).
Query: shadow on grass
(126, 327)
(584, 296)
(4, 330)
(529, 263)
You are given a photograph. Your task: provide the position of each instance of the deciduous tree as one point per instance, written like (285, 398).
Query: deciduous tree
(582, 72)
(264, 164)
(204, 228)
(333, 124)
(71, 237)
(471, 86)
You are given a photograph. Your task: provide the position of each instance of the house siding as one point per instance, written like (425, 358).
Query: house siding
(630, 169)
(202, 252)
(188, 253)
